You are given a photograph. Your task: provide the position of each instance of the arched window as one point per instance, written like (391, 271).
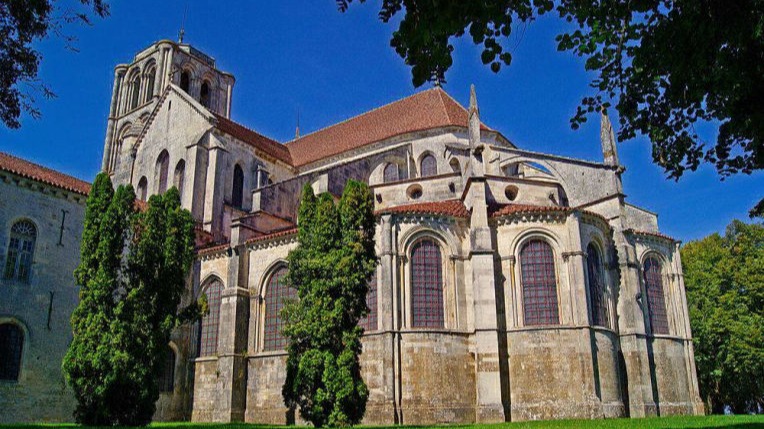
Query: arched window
(163, 164)
(428, 166)
(179, 176)
(18, 261)
(369, 323)
(237, 193)
(185, 81)
(426, 285)
(151, 78)
(596, 277)
(167, 381)
(143, 186)
(275, 293)
(455, 166)
(208, 337)
(539, 284)
(391, 173)
(135, 91)
(204, 94)
(656, 302)
(11, 346)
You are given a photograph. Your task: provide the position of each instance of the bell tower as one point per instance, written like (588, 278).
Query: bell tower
(139, 85)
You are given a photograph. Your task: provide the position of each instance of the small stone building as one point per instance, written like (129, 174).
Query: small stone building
(512, 284)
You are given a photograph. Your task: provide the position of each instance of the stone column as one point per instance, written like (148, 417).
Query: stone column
(108, 148)
(631, 327)
(386, 285)
(213, 202)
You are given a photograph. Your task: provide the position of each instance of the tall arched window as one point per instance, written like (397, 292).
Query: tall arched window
(208, 336)
(18, 261)
(135, 91)
(185, 81)
(11, 346)
(369, 323)
(179, 176)
(428, 166)
(143, 186)
(167, 380)
(539, 284)
(237, 193)
(275, 293)
(150, 79)
(204, 94)
(392, 173)
(426, 285)
(163, 164)
(596, 277)
(656, 302)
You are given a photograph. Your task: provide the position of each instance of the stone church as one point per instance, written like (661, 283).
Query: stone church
(512, 284)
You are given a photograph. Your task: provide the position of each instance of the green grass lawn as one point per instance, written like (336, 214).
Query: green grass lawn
(702, 422)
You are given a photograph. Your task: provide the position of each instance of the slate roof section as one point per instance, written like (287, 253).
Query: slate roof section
(42, 174)
(453, 208)
(259, 141)
(429, 109)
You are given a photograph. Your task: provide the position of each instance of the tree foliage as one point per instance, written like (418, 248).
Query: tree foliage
(330, 268)
(724, 278)
(667, 64)
(132, 273)
(22, 23)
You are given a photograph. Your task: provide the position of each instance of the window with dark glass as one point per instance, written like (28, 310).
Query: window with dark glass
(163, 164)
(237, 195)
(18, 261)
(167, 382)
(11, 346)
(596, 278)
(143, 186)
(204, 94)
(208, 337)
(151, 77)
(135, 92)
(391, 173)
(275, 293)
(656, 302)
(426, 285)
(179, 177)
(185, 81)
(539, 284)
(429, 166)
(369, 323)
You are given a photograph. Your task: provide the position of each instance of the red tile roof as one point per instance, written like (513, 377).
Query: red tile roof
(651, 234)
(507, 209)
(454, 208)
(422, 111)
(259, 141)
(284, 233)
(42, 174)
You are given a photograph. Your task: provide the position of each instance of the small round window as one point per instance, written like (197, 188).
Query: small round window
(414, 192)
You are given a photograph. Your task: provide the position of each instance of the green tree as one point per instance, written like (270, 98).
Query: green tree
(22, 23)
(667, 64)
(88, 361)
(330, 268)
(724, 278)
(130, 305)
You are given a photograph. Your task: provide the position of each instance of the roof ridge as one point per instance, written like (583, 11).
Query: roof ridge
(359, 115)
(443, 103)
(40, 166)
(218, 116)
(54, 178)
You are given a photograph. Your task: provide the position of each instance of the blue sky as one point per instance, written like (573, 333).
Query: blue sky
(289, 55)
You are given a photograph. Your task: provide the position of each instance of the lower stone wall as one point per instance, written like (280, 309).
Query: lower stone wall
(206, 391)
(669, 363)
(264, 401)
(437, 378)
(552, 374)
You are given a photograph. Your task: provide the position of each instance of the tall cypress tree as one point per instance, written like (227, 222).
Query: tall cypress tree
(134, 268)
(330, 268)
(88, 362)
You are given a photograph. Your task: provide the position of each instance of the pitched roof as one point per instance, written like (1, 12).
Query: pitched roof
(42, 174)
(651, 234)
(454, 208)
(508, 209)
(259, 141)
(422, 111)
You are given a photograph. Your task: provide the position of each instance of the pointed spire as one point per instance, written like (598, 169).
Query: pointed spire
(473, 126)
(473, 100)
(297, 129)
(607, 139)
